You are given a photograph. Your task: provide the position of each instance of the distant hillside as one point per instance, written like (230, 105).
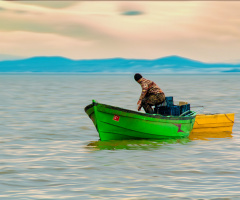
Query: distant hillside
(170, 64)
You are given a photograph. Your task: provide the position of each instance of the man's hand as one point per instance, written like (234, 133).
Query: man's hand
(139, 103)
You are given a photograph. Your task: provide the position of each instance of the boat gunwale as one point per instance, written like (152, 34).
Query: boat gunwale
(158, 116)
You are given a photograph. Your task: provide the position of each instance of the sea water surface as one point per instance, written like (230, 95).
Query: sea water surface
(49, 148)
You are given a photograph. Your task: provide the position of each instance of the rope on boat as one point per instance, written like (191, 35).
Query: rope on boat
(202, 107)
(190, 111)
(229, 119)
(196, 122)
(196, 106)
(185, 113)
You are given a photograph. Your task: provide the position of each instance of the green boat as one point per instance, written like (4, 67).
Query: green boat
(114, 123)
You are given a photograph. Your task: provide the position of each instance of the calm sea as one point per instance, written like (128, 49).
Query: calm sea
(49, 148)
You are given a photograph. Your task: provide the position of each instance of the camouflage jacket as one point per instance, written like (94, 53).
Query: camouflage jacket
(148, 88)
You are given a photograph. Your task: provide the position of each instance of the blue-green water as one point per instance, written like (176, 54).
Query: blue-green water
(49, 148)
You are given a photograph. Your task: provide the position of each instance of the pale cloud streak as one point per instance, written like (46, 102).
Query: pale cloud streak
(202, 30)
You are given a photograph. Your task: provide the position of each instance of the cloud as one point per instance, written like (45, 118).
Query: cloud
(80, 21)
(197, 29)
(132, 12)
(47, 4)
(131, 8)
(20, 11)
(41, 44)
(2, 9)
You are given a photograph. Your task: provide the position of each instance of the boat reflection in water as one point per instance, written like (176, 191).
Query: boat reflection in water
(135, 144)
(155, 144)
(209, 135)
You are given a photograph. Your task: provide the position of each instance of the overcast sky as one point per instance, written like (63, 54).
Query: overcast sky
(208, 31)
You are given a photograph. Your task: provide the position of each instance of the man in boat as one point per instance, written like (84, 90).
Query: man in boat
(151, 94)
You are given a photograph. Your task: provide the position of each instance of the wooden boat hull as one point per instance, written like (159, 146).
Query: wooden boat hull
(213, 123)
(113, 123)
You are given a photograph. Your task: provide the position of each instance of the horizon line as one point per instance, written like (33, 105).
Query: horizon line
(108, 58)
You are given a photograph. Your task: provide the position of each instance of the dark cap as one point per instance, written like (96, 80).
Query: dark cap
(137, 76)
